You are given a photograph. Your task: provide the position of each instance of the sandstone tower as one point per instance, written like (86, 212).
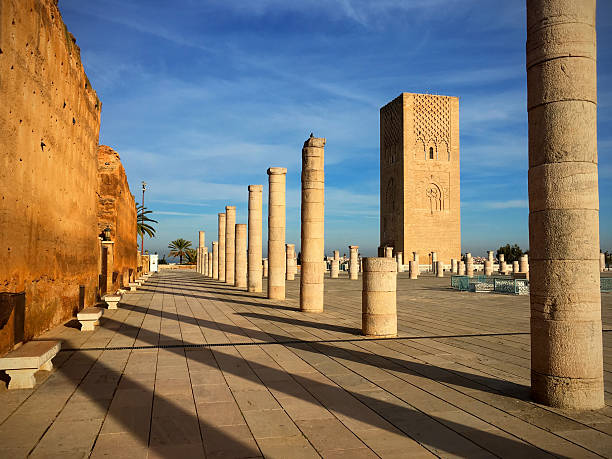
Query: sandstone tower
(419, 176)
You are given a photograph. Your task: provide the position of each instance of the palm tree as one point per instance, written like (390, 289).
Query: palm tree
(192, 256)
(143, 223)
(179, 248)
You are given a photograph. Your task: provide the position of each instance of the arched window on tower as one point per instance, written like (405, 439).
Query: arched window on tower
(431, 153)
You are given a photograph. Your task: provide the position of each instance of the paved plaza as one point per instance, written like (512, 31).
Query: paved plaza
(189, 367)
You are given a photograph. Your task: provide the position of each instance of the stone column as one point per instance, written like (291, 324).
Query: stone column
(289, 251)
(461, 268)
(276, 233)
(524, 264)
(502, 263)
(469, 265)
(399, 257)
(488, 268)
(414, 269)
(313, 219)
(566, 336)
(204, 265)
(490, 256)
(210, 265)
(264, 265)
(439, 269)
(201, 244)
(240, 270)
(602, 262)
(453, 266)
(255, 281)
(353, 262)
(515, 267)
(230, 244)
(221, 258)
(378, 298)
(434, 261)
(388, 252)
(215, 260)
(415, 257)
(334, 268)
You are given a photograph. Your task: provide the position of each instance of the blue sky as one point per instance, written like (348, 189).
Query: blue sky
(201, 97)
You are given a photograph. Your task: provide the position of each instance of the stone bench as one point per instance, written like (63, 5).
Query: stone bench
(89, 318)
(22, 363)
(112, 301)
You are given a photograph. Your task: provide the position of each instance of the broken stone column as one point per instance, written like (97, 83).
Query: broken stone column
(264, 264)
(204, 266)
(215, 260)
(201, 244)
(461, 268)
(524, 264)
(414, 269)
(276, 233)
(388, 252)
(415, 257)
(289, 251)
(434, 261)
(453, 266)
(469, 265)
(240, 270)
(353, 262)
(334, 268)
(378, 298)
(400, 262)
(230, 244)
(490, 256)
(515, 267)
(566, 335)
(210, 265)
(221, 261)
(439, 269)
(502, 263)
(602, 262)
(488, 268)
(255, 282)
(313, 225)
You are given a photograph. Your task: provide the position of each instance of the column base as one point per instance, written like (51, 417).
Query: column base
(567, 393)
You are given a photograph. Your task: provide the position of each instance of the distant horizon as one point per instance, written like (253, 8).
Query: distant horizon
(200, 98)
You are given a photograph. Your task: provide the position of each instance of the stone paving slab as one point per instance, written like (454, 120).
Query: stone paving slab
(188, 367)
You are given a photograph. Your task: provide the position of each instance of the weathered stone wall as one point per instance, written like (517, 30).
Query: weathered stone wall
(419, 167)
(49, 126)
(117, 210)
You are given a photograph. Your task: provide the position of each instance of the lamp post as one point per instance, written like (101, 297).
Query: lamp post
(144, 187)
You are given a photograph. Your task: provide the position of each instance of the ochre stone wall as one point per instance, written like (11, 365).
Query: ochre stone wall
(419, 168)
(49, 126)
(117, 210)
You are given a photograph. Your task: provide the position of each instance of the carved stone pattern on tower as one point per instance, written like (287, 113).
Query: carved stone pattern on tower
(392, 131)
(432, 121)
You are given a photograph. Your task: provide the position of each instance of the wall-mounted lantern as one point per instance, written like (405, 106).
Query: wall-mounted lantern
(106, 233)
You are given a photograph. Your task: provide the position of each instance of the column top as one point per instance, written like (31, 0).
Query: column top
(255, 187)
(277, 171)
(290, 245)
(353, 246)
(313, 141)
(241, 225)
(215, 243)
(221, 214)
(228, 208)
